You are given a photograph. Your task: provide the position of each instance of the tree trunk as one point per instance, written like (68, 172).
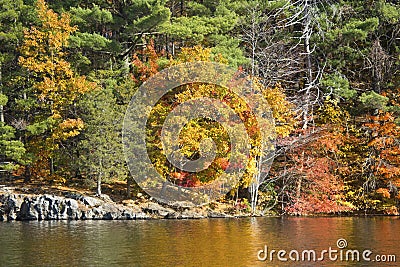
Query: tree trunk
(98, 190)
(1, 91)
(255, 185)
(51, 163)
(300, 179)
(254, 196)
(27, 174)
(182, 6)
(309, 75)
(128, 187)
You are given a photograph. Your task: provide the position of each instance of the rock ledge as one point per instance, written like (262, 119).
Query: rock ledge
(72, 206)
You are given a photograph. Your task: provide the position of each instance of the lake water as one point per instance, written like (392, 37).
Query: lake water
(205, 242)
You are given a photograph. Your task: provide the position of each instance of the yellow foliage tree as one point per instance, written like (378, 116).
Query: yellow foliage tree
(55, 85)
(196, 130)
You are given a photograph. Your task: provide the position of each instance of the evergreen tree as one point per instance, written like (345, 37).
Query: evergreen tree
(12, 150)
(209, 23)
(10, 36)
(111, 31)
(100, 150)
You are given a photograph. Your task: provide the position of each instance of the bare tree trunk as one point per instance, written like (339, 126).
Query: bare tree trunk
(51, 163)
(1, 91)
(252, 38)
(98, 190)
(255, 185)
(307, 32)
(1, 110)
(276, 58)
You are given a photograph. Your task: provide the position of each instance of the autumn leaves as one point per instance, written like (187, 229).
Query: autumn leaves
(54, 84)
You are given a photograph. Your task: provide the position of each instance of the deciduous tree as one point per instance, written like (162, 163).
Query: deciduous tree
(55, 86)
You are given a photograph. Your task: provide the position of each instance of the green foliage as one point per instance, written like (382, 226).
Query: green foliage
(373, 100)
(10, 24)
(229, 48)
(100, 148)
(358, 30)
(3, 99)
(339, 85)
(39, 128)
(87, 40)
(210, 25)
(11, 150)
(86, 18)
(157, 15)
(389, 11)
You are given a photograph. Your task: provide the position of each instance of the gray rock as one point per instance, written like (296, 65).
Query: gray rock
(182, 205)
(63, 211)
(27, 211)
(190, 214)
(186, 214)
(72, 209)
(97, 213)
(173, 215)
(214, 214)
(73, 196)
(12, 204)
(90, 201)
(3, 216)
(77, 207)
(84, 215)
(105, 198)
(48, 207)
(156, 209)
(142, 216)
(110, 211)
(126, 215)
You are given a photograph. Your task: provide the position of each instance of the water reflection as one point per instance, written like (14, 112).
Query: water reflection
(209, 242)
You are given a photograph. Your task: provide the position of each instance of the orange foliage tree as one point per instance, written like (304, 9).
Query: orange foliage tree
(202, 128)
(55, 86)
(310, 173)
(383, 162)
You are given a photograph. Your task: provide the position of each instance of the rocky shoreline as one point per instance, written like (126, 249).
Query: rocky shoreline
(73, 206)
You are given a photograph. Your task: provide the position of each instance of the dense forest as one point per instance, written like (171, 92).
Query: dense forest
(330, 71)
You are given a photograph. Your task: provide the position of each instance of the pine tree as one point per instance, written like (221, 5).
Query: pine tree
(12, 151)
(101, 157)
(10, 36)
(210, 24)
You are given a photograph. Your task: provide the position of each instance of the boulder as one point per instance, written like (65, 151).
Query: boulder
(27, 211)
(72, 209)
(12, 203)
(156, 209)
(90, 201)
